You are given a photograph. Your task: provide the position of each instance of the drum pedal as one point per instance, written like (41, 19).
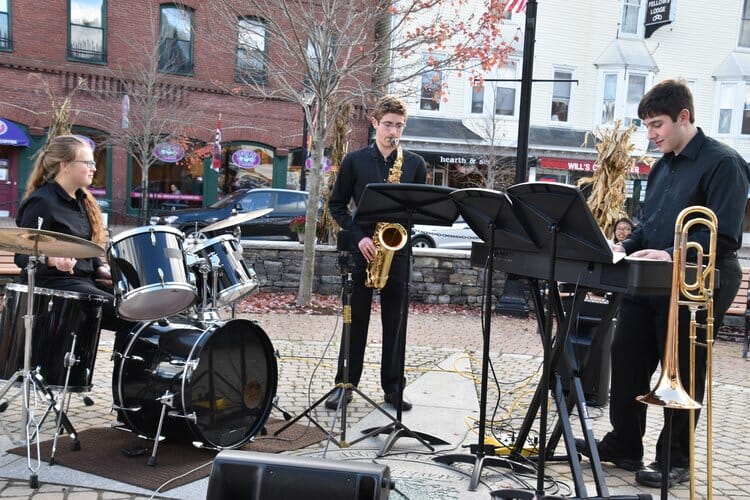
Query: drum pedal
(124, 408)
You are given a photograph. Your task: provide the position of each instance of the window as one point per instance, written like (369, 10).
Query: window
(505, 92)
(86, 31)
(631, 22)
(620, 93)
(610, 98)
(176, 40)
(431, 88)
(6, 40)
(744, 40)
(477, 98)
(561, 94)
(251, 51)
(726, 105)
(636, 89)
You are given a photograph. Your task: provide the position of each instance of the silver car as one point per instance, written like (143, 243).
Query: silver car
(458, 236)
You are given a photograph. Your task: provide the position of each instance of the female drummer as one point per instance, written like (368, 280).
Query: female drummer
(57, 195)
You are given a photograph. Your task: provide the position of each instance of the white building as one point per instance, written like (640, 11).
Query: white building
(615, 50)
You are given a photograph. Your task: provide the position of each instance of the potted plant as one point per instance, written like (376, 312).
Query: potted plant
(297, 225)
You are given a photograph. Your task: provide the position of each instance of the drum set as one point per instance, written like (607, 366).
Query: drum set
(181, 370)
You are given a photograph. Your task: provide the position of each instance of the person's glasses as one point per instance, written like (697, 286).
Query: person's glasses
(390, 125)
(88, 163)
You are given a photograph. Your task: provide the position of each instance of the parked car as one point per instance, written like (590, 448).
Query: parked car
(287, 204)
(458, 236)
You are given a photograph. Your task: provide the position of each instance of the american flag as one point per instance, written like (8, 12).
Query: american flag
(216, 163)
(516, 6)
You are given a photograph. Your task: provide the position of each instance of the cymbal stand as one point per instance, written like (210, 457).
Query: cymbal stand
(29, 422)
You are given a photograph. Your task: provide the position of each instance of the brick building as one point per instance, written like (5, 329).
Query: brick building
(100, 51)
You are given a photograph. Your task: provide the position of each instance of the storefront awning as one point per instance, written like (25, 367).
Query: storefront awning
(736, 66)
(11, 134)
(438, 128)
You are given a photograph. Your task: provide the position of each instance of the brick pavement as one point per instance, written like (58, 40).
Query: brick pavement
(302, 342)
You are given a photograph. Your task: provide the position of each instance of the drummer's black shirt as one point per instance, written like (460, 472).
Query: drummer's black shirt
(62, 214)
(360, 168)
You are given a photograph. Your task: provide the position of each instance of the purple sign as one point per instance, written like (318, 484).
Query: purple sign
(245, 158)
(169, 152)
(326, 164)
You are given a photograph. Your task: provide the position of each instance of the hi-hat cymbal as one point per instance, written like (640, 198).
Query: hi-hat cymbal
(237, 219)
(50, 243)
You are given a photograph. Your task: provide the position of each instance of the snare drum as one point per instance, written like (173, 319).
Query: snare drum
(57, 315)
(150, 277)
(221, 257)
(223, 379)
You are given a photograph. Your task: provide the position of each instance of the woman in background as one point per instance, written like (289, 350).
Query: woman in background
(623, 228)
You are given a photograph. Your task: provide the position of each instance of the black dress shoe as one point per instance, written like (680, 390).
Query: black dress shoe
(333, 400)
(389, 398)
(608, 455)
(651, 476)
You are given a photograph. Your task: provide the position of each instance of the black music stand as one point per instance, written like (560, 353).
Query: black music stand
(557, 218)
(406, 204)
(490, 214)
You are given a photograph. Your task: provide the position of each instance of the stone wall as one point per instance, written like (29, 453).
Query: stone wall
(438, 276)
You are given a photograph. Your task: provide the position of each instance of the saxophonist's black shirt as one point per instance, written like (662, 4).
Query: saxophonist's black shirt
(707, 173)
(360, 168)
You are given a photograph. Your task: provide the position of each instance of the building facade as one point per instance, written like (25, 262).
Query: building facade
(592, 63)
(173, 67)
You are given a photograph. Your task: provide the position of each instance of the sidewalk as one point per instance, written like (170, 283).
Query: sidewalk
(442, 371)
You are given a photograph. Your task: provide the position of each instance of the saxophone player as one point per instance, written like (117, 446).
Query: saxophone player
(371, 164)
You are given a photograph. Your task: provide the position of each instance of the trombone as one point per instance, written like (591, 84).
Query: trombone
(695, 295)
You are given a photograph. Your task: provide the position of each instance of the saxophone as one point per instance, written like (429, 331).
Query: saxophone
(388, 237)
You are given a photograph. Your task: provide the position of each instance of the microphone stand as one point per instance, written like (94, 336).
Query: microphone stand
(346, 283)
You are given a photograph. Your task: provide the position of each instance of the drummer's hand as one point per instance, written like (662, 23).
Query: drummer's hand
(367, 247)
(651, 253)
(63, 264)
(103, 273)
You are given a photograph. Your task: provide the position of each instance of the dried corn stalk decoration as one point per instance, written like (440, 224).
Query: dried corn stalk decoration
(607, 197)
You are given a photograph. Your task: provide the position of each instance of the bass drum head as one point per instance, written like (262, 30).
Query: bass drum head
(223, 379)
(231, 389)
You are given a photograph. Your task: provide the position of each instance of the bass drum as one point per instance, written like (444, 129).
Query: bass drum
(223, 379)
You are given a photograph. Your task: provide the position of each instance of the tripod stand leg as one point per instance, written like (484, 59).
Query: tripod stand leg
(62, 418)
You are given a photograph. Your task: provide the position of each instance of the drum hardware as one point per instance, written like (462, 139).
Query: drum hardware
(55, 404)
(70, 360)
(167, 400)
(34, 243)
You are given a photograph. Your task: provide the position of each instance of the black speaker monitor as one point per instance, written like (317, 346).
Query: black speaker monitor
(264, 476)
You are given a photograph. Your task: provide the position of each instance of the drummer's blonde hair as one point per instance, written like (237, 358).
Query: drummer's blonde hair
(60, 149)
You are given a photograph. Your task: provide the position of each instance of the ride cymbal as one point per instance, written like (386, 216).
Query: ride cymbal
(29, 241)
(237, 219)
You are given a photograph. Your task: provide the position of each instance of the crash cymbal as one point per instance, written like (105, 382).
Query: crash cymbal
(233, 220)
(49, 243)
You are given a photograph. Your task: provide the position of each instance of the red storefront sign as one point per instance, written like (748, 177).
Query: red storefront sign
(584, 165)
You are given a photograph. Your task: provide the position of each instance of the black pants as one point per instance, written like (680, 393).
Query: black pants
(638, 347)
(392, 297)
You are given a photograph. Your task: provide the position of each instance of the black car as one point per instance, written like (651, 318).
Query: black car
(286, 204)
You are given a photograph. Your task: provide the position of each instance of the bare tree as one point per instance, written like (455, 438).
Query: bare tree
(328, 55)
(144, 104)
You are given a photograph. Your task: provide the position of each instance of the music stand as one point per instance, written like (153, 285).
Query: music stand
(490, 215)
(557, 218)
(406, 204)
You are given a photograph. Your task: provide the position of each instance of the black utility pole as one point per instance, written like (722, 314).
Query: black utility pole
(512, 301)
(527, 74)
